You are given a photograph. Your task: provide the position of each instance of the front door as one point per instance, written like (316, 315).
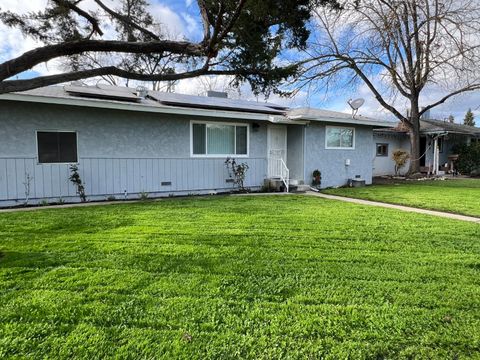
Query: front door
(277, 148)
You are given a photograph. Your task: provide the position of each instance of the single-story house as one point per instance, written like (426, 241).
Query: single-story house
(126, 142)
(437, 141)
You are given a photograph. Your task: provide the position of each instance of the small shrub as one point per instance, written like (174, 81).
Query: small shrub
(143, 195)
(111, 198)
(44, 203)
(317, 178)
(77, 181)
(27, 185)
(400, 157)
(237, 171)
(61, 201)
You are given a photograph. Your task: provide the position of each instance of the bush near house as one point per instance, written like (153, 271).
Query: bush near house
(469, 157)
(400, 158)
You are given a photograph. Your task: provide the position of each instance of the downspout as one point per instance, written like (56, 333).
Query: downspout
(304, 160)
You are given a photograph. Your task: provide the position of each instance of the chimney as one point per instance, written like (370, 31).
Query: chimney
(217, 94)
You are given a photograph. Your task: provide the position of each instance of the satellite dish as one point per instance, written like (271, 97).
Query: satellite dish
(355, 105)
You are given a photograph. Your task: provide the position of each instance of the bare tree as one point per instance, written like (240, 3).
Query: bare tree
(239, 38)
(400, 49)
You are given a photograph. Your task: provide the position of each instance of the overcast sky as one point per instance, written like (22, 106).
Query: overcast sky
(180, 18)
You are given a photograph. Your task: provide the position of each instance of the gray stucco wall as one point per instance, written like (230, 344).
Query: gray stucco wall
(295, 148)
(118, 151)
(384, 165)
(331, 162)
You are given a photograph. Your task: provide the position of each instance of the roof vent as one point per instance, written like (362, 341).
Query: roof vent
(217, 94)
(142, 92)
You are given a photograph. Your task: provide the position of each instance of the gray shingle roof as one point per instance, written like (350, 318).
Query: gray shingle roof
(440, 126)
(155, 98)
(108, 96)
(431, 126)
(335, 116)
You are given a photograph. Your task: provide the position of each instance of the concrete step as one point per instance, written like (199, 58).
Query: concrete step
(299, 188)
(295, 185)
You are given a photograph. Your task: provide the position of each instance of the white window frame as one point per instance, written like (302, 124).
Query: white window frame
(336, 147)
(56, 131)
(206, 142)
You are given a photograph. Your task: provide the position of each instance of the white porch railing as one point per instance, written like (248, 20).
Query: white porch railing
(278, 169)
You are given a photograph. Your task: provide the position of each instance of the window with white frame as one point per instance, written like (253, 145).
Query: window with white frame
(339, 137)
(215, 139)
(57, 146)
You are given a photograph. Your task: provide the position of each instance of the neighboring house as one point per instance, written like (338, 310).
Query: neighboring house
(167, 144)
(437, 140)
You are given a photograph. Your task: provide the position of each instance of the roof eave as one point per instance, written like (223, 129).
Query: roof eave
(436, 132)
(385, 124)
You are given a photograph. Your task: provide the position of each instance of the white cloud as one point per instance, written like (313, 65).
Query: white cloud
(171, 23)
(12, 41)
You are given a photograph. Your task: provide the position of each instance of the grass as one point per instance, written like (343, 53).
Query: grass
(455, 196)
(265, 277)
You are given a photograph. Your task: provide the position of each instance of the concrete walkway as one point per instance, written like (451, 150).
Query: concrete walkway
(397, 207)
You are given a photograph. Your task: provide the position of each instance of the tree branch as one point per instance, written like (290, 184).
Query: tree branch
(28, 84)
(126, 20)
(446, 97)
(34, 57)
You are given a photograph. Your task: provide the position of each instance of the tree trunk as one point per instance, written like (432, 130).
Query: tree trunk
(414, 137)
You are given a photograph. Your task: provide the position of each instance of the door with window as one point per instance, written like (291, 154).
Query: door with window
(277, 148)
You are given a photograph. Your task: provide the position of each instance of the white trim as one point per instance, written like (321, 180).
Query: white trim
(336, 147)
(219, 155)
(56, 131)
(116, 105)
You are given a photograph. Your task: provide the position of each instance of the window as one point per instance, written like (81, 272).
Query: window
(57, 147)
(219, 139)
(339, 137)
(382, 149)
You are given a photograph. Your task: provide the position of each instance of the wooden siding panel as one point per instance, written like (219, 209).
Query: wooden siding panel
(105, 176)
(3, 179)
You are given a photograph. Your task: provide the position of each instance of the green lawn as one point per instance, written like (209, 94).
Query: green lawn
(455, 196)
(265, 277)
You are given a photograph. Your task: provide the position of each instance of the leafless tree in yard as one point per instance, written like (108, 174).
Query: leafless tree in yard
(399, 49)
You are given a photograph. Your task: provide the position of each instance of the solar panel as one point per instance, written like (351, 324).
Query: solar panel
(101, 92)
(214, 103)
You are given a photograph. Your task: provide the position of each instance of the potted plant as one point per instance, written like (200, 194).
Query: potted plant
(317, 178)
